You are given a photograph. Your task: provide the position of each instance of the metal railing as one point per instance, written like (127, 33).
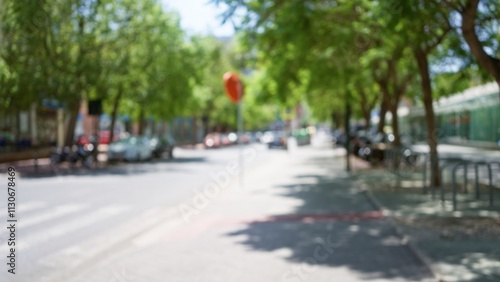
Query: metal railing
(453, 165)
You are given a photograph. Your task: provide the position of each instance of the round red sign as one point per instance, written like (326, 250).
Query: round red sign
(233, 86)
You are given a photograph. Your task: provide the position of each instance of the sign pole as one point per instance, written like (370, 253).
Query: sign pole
(234, 90)
(240, 134)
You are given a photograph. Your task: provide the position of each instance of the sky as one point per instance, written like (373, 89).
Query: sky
(200, 17)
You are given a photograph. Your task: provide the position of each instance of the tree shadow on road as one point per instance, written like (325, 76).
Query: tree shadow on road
(103, 169)
(333, 228)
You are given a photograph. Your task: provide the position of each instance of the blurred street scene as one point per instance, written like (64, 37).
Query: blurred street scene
(221, 140)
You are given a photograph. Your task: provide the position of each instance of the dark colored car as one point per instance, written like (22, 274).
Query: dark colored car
(359, 141)
(377, 148)
(161, 146)
(338, 138)
(277, 139)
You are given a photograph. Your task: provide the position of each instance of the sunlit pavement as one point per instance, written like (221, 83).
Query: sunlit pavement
(293, 216)
(447, 150)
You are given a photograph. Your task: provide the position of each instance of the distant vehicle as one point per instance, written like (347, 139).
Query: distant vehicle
(79, 153)
(246, 137)
(224, 139)
(130, 149)
(267, 137)
(104, 137)
(233, 138)
(161, 146)
(252, 137)
(359, 141)
(376, 147)
(212, 140)
(302, 137)
(338, 138)
(275, 139)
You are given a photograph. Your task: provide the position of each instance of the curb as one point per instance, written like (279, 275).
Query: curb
(421, 258)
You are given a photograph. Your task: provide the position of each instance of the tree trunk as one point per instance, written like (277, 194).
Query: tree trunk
(70, 129)
(395, 123)
(337, 120)
(383, 110)
(347, 133)
(365, 107)
(423, 68)
(114, 113)
(367, 118)
(194, 127)
(394, 100)
(490, 64)
(141, 122)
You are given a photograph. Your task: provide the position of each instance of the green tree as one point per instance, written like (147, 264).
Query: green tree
(480, 30)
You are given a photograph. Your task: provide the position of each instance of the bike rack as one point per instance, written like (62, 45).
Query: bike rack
(476, 170)
(454, 164)
(447, 162)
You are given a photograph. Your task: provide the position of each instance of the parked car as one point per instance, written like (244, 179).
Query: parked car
(130, 149)
(276, 139)
(338, 138)
(224, 139)
(376, 149)
(235, 139)
(246, 137)
(212, 140)
(359, 141)
(104, 136)
(302, 137)
(267, 137)
(161, 146)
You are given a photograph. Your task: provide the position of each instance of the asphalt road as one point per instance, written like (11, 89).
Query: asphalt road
(72, 221)
(292, 216)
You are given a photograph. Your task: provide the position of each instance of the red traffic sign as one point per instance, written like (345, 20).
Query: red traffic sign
(233, 86)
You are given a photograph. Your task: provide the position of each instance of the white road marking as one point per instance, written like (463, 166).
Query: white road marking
(29, 206)
(67, 227)
(54, 213)
(80, 253)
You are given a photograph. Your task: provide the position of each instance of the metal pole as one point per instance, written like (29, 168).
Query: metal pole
(240, 133)
(454, 186)
(476, 170)
(454, 182)
(424, 175)
(441, 187)
(490, 183)
(465, 178)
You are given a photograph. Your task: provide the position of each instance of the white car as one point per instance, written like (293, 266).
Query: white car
(130, 149)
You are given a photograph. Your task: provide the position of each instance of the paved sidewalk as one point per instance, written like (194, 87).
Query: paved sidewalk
(298, 218)
(462, 245)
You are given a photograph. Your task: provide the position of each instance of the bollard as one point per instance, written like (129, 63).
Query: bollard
(491, 183)
(490, 180)
(465, 178)
(454, 184)
(424, 174)
(441, 187)
(476, 169)
(453, 187)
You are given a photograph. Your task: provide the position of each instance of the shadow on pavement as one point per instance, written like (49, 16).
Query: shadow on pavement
(464, 245)
(115, 168)
(337, 232)
(368, 248)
